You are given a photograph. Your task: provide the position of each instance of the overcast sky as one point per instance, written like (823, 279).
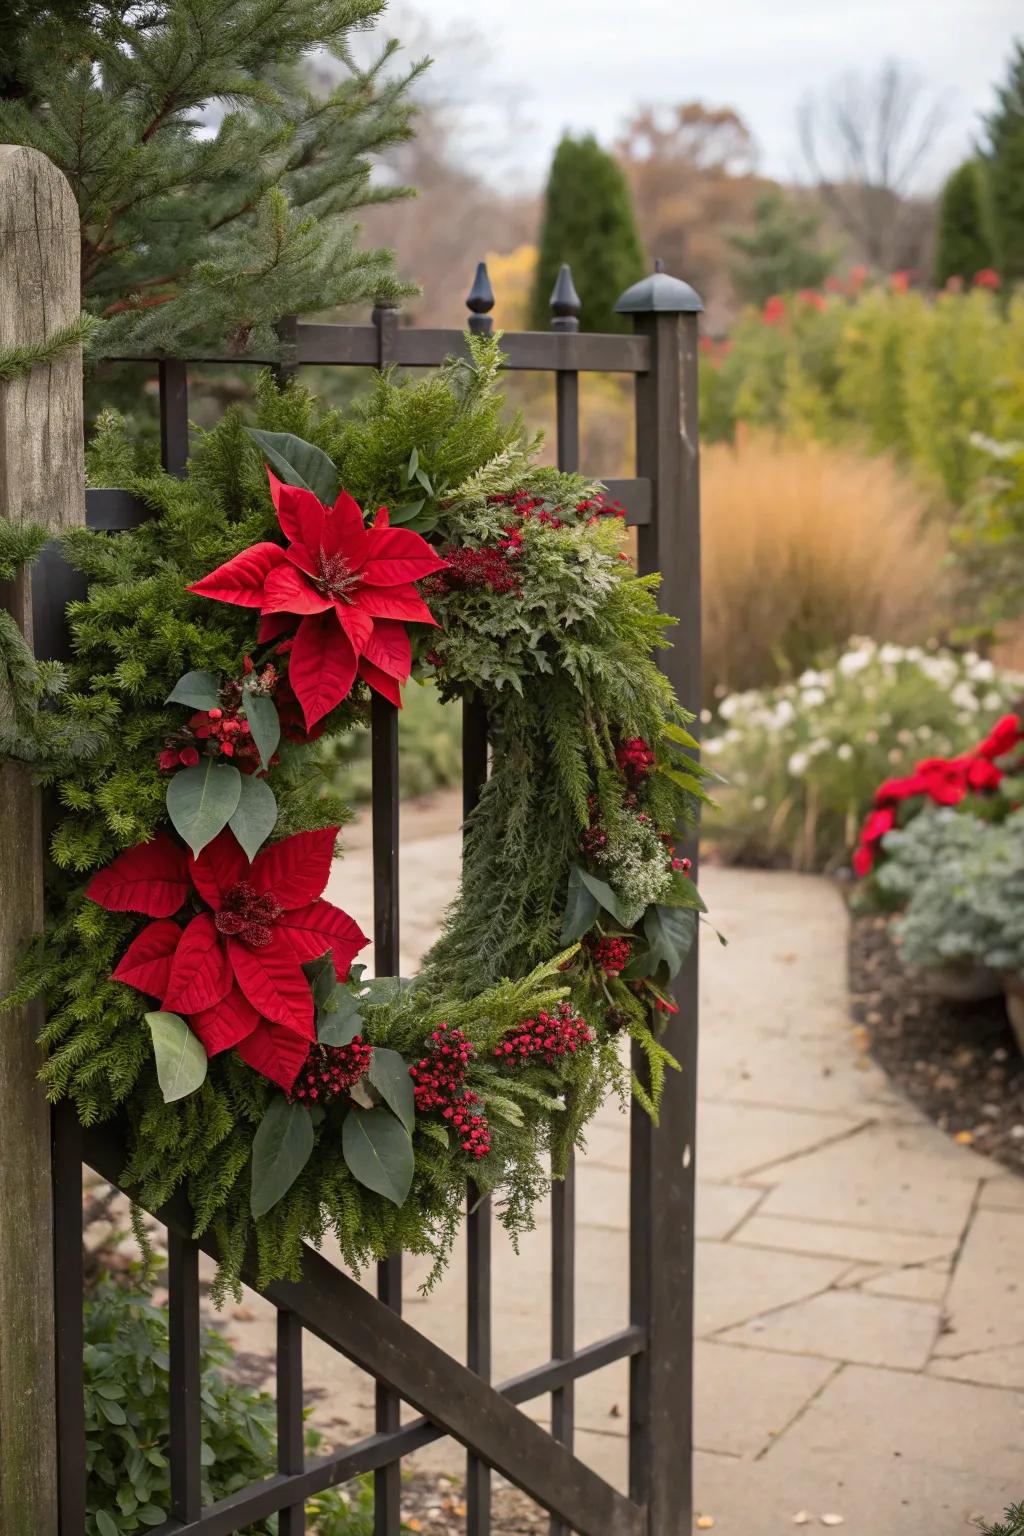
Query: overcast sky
(543, 66)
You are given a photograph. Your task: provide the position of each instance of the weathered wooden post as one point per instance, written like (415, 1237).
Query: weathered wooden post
(41, 480)
(662, 1160)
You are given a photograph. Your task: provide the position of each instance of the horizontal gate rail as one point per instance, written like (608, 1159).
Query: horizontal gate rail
(334, 1306)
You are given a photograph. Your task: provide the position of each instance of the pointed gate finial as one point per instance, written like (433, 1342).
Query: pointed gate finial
(480, 302)
(565, 301)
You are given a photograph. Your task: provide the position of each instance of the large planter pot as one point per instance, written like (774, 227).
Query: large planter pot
(1013, 990)
(959, 983)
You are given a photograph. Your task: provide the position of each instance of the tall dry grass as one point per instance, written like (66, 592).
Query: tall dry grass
(803, 546)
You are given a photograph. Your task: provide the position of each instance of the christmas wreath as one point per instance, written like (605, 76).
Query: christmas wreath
(198, 983)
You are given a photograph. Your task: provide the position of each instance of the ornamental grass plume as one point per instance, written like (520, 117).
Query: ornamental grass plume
(804, 545)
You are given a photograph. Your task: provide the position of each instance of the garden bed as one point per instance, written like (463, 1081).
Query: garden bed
(958, 1062)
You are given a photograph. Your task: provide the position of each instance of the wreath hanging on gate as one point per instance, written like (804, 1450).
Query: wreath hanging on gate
(199, 982)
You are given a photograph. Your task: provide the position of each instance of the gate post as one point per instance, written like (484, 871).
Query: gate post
(41, 480)
(662, 1159)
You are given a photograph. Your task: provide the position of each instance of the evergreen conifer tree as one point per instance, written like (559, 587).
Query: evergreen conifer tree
(1006, 169)
(964, 239)
(588, 221)
(215, 183)
(781, 253)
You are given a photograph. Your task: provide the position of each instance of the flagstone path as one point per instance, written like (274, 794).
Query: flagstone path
(860, 1305)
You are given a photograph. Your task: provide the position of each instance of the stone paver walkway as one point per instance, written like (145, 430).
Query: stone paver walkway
(860, 1278)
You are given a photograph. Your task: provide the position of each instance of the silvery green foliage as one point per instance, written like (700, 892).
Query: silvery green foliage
(970, 908)
(928, 843)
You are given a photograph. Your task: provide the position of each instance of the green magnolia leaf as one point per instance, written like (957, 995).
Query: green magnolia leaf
(378, 1151)
(201, 690)
(297, 462)
(255, 815)
(202, 800)
(280, 1151)
(106, 1524)
(320, 975)
(580, 908)
(605, 895)
(389, 1074)
(669, 932)
(679, 736)
(340, 1020)
(261, 713)
(180, 1058)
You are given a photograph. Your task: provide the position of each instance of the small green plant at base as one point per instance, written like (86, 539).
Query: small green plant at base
(127, 1398)
(1012, 1523)
(801, 762)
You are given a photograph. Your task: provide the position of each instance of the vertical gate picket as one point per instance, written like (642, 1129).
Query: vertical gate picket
(479, 1217)
(291, 1455)
(173, 380)
(662, 1160)
(185, 1382)
(565, 311)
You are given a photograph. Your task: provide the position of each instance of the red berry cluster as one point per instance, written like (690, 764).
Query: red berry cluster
(594, 840)
(331, 1070)
(609, 953)
(549, 1035)
(178, 757)
(222, 731)
(684, 864)
(636, 760)
(225, 733)
(439, 1084)
(594, 507)
(525, 506)
(473, 570)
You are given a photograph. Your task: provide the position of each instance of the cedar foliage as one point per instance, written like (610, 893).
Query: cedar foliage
(781, 253)
(1005, 156)
(964, 237)
(565, 668)
(193, 238)
(588, 221)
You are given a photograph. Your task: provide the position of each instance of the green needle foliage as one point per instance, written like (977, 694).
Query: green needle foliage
(216, 186)
(964, 241)
(589, 222)
(1005, 158)
(1012, 1523)
(781, 253)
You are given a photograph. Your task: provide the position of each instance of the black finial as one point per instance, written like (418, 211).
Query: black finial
(659, 265)
(480, 301)
(565, 301)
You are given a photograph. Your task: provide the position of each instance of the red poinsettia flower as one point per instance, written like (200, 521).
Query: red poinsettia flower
(235, 970)
(1002, 738)
(349, 586)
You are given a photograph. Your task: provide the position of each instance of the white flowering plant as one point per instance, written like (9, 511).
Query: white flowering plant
(802, 761)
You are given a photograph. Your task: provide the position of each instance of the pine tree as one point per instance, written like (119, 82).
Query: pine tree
(202, 226)
(1006, 169)
(964, 239)
(588, 221)
(781, 254)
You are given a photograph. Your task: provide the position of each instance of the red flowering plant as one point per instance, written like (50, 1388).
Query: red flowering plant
(975, 780)
(346, 590)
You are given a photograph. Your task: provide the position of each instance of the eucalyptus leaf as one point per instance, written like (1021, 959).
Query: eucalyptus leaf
(320, 975)
(580, 908)
(403, 514)
(280, 1150)
(202, 800)
(255, 815)
(297, 462)
(181, 1061)
(261, 713)
(378, 1150)
(670, 933)
(606, 896)
(389, 1074)
(340, 1020)
(201, 690)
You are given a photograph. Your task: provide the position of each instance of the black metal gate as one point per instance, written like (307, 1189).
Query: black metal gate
(662, 502)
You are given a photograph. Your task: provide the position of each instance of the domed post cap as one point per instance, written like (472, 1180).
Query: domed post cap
(659, 294)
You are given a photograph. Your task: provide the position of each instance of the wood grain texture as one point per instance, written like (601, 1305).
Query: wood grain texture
(42, 479)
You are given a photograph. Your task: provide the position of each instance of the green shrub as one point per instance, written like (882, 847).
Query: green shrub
(1012, 1523)
(127, 1399)
(914, 852)
(802, 761)
(968, 909)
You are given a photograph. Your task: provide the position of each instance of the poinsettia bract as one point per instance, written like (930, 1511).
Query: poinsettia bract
(350, 588)
(235, 970)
